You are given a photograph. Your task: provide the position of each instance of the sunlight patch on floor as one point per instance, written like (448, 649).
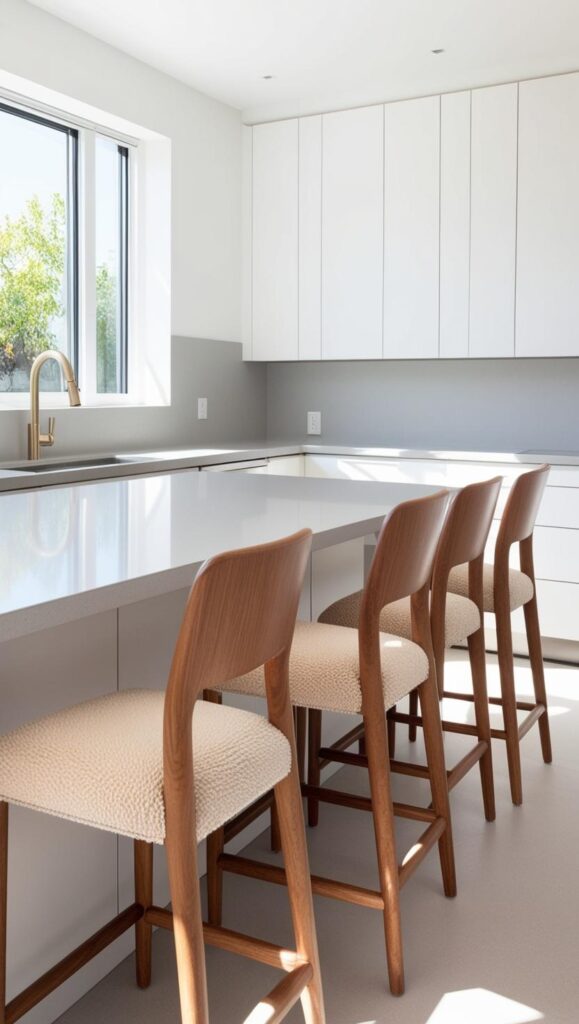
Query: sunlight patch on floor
(479, 1006)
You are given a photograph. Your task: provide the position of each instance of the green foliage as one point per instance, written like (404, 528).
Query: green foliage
(32, 259)
(106, 325)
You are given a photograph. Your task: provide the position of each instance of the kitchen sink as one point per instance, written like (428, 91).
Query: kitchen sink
(53, 467)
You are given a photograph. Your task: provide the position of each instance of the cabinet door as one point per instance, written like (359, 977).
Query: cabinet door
(548, 218)
(411, 242)
(310, 238)
(493, 221)
(352, 233)
(275, 241)
(454, 224)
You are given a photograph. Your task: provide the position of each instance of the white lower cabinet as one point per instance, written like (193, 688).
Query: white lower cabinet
(556, 537)
(62, 876)
(282, 465)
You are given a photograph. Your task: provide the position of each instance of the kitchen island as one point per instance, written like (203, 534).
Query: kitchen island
(94, 581)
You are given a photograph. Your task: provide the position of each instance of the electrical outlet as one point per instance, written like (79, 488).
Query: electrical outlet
(314, 423)
(201, 408)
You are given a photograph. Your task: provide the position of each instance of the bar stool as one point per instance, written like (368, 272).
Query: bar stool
(166, 768)
(454, 619)
(365, 672)
(505, 590)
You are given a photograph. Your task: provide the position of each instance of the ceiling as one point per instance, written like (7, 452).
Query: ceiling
(327, 54)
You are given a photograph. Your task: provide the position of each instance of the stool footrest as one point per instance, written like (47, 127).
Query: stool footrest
(364, 803)
(234, 942)
(345, 741)
(64, 970)
(418, 852)
(329, 887)
(281, 998)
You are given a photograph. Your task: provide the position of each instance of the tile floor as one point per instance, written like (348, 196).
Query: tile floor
(505, 951)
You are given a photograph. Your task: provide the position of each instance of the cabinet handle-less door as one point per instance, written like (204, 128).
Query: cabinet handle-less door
(352, 233)
(493, 221)
(548, 218)
(411, 232)
(275, 241)
(454, 224)
(310, 237)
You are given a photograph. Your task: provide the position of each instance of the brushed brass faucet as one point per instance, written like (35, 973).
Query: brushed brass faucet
(35, 438)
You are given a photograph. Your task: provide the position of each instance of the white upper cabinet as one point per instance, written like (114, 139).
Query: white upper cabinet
(275, 241)
(454, 224)
(310, 238)
(352, 233)
(411, 228)
(493, 221)
(548, 218)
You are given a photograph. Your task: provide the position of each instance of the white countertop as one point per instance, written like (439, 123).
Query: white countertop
(17, 475)
(76, 550)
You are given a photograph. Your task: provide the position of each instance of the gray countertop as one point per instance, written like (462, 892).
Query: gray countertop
(18, 476)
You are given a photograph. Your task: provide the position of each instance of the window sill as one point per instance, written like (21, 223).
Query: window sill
(50, 402)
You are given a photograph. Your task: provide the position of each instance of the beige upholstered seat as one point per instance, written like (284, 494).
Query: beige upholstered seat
(325, 673)
(100, 763)
(462, 616)
(521, 587)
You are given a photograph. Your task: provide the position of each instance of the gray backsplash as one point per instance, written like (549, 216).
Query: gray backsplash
(236, 394)
(494, 404)
(479, 404)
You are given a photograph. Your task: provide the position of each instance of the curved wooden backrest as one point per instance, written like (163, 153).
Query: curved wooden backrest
(463, 539)
(466, 529)
(402, 563)
(520, 513)
(240, 614)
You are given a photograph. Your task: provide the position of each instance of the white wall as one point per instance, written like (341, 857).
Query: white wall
(206, 154)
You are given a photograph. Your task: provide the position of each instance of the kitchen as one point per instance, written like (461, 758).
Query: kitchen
(334, 290)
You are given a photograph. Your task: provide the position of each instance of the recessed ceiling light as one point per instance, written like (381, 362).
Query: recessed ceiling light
(267, 77)
(440, 50)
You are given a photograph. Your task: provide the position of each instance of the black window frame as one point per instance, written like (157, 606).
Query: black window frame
(72, 220)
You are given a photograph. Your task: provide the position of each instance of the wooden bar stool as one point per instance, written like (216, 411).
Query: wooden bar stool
(166, 768)
(454, 620)
(366, 672)
(504, 590)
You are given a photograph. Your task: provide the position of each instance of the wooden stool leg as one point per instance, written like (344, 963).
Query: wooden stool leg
(3, 905)
(433, 742)
(301, 732)
(379, 772)
(301, 727)
(391, 726)
(477, 656)
(143, 857)
(314, 744)
(215, 843)
(274, 836)
(537, 668)
(187, 921)
(507, 674)
(413, 710)
(293, 841)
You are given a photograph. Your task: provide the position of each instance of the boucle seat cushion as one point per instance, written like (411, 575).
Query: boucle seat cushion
(462, 616)
(521, 587)
(100, 763)
(325, 669)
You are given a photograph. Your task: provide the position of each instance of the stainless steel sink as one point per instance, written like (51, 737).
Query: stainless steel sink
(53, 467)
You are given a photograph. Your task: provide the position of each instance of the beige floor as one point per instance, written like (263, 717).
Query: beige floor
(505, 951)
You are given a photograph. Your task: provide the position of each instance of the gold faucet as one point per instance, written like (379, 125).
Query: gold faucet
(35, 438)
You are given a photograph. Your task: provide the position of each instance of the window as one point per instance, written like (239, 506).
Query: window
(111, 234)
(61, 186)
